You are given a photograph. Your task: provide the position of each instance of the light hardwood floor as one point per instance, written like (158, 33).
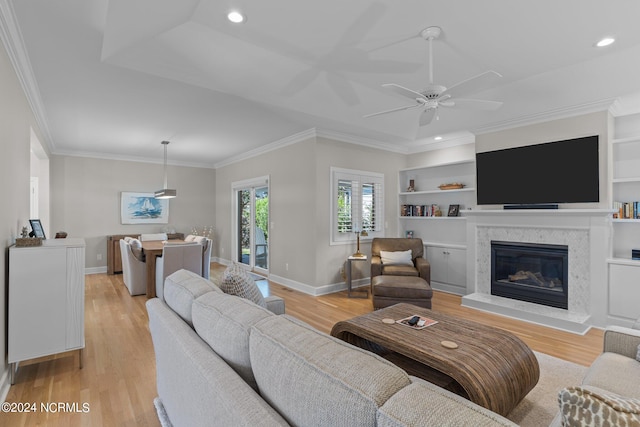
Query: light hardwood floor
(118, 378)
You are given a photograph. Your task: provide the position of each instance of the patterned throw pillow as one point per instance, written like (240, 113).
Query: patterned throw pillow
(236, 281)
(582, 406)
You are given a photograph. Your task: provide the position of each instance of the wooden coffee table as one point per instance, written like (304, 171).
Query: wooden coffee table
(490, 366)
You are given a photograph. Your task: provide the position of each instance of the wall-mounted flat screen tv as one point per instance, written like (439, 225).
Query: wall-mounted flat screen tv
(549, 173)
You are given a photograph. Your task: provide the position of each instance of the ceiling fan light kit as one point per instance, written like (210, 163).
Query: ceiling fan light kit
(434, 96)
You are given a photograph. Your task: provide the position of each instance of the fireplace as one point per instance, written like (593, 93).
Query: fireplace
(532, 272)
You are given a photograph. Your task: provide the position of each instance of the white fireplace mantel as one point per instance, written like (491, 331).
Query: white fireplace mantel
(587, 233)
(538, 212)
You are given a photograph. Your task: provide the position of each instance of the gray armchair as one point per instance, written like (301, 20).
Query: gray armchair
(420, 267)
(616, 372)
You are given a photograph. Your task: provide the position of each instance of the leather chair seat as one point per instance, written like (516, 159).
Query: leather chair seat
(399, 270)
(388, 290)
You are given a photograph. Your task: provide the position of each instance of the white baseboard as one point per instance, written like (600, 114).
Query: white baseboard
(95, 270)
(304, 287)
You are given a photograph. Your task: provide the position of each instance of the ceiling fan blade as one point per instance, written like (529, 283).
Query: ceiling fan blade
(392, 110)
(427, 116)
(300, 81)
(473, 85)
(394, 42)
(400, 90)
(343, 88)
(473, 104)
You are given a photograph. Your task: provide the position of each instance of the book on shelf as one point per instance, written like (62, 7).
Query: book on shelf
(626, 210)
(420, 210)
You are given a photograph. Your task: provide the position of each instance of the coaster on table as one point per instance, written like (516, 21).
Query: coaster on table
(449, 344)
(388, 321)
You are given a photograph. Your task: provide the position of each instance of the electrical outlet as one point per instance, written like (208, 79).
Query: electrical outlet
(99, 257)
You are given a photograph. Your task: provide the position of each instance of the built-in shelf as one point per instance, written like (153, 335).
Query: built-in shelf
(437, 218)
(445, 245)
(438, 191)
(624, 261)
(620, 180)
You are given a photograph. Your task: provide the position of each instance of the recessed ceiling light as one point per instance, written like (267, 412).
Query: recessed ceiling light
(438, 138)
(605, 42)
(235, 17)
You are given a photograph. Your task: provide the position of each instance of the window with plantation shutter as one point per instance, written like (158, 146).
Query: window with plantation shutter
(357, 204)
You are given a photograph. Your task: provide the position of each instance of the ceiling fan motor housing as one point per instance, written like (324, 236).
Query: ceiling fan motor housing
(433, 91)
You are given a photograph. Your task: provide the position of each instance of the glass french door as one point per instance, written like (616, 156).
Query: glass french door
(252, 227)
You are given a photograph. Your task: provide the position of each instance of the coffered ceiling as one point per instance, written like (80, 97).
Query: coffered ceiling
(113, 78)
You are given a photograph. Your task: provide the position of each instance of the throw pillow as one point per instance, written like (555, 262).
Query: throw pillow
(638, 353)
(200, 239)
(236, 281)
(397, 257)
(136, 248)
(189, 238)
(589, 406)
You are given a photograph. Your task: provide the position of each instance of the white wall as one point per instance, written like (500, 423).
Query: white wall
(299, 208)
(85, 199)
(16, 121)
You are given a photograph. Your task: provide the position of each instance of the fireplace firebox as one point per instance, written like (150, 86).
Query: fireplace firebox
(532, 272)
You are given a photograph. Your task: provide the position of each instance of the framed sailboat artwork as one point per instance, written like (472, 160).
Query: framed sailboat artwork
(143, 208)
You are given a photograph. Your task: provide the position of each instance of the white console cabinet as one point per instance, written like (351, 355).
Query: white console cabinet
(46, 300)
(448, 268)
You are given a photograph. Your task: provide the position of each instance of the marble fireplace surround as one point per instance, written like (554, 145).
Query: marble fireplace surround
(586, 232)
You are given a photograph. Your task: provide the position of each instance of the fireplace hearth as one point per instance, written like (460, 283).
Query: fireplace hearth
(531, 272)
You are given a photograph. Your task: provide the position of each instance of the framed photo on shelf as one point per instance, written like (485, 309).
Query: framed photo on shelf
(409, 234)
(36, 227)
(454, 210)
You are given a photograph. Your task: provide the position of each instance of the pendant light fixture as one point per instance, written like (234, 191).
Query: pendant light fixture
(165, 193)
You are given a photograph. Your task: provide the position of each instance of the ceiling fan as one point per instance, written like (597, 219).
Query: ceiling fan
(434, 96)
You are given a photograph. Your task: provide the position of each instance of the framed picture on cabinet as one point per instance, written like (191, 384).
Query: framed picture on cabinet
(409, 234)
(454, 210)
(36, 227)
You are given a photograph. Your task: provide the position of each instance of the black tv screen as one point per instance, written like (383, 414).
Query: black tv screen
(554, 172)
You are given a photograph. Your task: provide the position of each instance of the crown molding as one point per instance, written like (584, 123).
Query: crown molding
(547, 116)
(111, 156)
(289, 140)
(14, 45)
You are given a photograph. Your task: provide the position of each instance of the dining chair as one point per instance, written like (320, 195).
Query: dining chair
(176, 257)
(134, 270)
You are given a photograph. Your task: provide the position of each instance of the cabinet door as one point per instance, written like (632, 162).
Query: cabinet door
(37, 302)
(75, 298)
(457, 266)
(437, 257)
(624, 298)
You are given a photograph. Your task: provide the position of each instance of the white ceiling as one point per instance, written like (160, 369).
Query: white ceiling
(113, 78)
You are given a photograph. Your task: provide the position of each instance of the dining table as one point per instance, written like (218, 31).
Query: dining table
(152, 249)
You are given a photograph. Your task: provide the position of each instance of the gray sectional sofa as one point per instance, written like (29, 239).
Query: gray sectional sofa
(223, 360)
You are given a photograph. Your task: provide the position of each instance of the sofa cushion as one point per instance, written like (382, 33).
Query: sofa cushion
(396, 257)
(313, 379)
(136, 249)
(591, 406)
(223, 322)
(236, 281)
(182, 288)
(616, 373)
(425, 404)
